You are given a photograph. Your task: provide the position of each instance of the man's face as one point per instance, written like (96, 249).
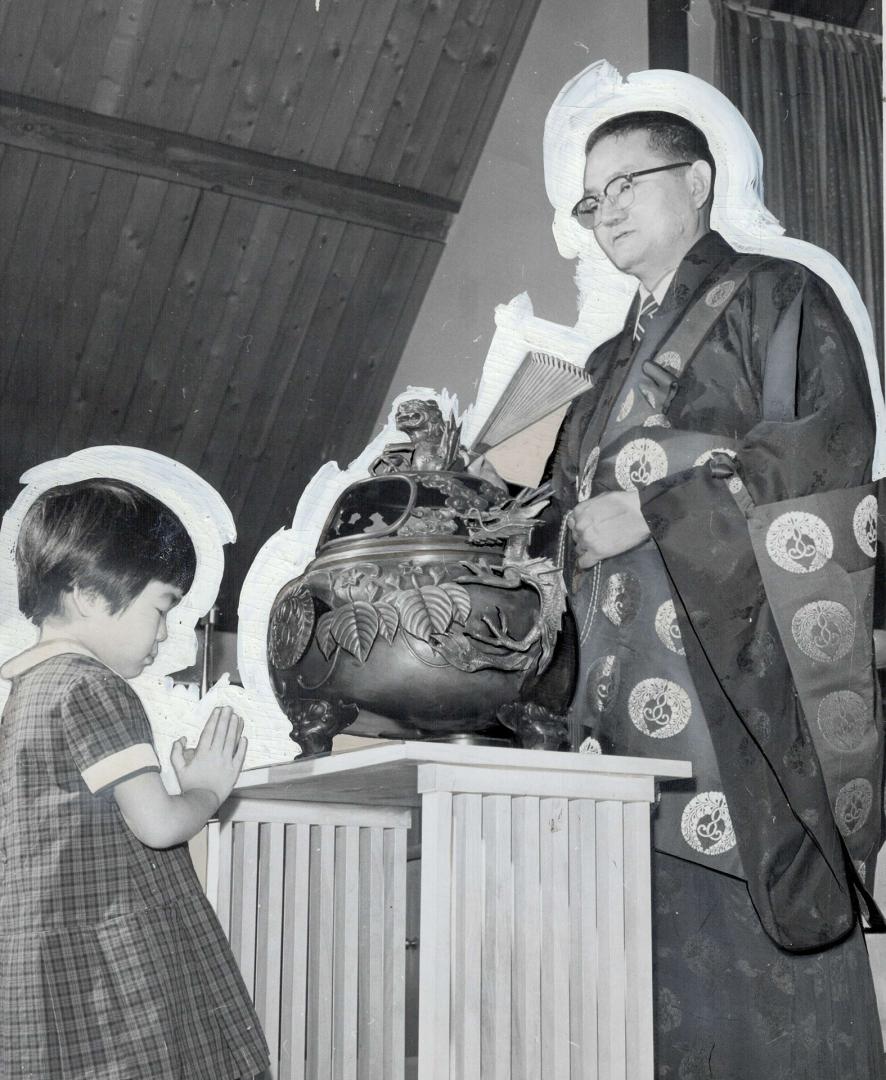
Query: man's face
(651, 236)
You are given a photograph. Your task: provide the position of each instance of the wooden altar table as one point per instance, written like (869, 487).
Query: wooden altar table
(535, 922)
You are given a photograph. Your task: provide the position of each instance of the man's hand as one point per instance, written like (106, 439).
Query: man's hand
(607, 525)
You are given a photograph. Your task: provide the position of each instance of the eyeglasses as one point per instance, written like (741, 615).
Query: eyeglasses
(619, 192)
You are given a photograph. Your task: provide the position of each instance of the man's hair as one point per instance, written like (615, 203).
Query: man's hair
(105, 536)
(669, 134)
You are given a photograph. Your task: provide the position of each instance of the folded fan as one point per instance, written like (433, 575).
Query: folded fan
(539, 386)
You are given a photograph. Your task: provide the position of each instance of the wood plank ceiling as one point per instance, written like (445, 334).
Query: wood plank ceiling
(218, 219)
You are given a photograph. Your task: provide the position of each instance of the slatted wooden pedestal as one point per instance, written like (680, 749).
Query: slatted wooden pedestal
(535, 939)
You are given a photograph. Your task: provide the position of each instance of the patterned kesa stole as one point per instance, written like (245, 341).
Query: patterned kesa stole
(637, 691)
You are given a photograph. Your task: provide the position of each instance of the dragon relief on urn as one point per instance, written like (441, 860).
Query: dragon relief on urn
(422, 609)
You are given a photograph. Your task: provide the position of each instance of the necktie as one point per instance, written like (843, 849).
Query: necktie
(647, 310)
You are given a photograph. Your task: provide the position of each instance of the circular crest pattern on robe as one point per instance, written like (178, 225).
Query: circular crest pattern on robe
(844, 720)
(864, 525)
(659, 708)
(707, 825)
(824, 630)
(799, 542)
(853, 805)
(639, 464)
(668, 629)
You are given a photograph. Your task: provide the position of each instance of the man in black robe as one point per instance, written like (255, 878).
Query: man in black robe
(717, 487)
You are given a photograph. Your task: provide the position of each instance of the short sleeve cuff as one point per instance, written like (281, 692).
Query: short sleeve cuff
(122, 765)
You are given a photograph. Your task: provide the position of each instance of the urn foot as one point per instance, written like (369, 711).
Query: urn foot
(535, 727)
(315, 723)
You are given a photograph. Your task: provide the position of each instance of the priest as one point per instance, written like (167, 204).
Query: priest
(716, 487)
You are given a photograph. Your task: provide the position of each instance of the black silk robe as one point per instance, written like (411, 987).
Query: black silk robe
(767, 550)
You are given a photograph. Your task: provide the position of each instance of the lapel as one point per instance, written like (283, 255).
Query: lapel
(612, 362)
(699, 263)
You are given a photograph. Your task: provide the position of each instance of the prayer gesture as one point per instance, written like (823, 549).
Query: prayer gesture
(217, 760)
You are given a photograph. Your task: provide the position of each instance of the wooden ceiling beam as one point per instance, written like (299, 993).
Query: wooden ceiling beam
(62, 131)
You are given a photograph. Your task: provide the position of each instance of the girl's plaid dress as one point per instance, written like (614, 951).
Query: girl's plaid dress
(112, 964)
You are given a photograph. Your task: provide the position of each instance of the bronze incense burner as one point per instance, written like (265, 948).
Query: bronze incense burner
(422, 609)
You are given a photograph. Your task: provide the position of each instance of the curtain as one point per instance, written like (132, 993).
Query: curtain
(813, 96)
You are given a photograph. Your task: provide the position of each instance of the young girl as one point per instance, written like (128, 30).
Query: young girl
(112, 964)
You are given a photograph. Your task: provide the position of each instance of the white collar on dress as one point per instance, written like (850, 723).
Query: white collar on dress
(43, 650)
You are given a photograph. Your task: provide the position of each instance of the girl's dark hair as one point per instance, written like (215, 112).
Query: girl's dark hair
(105, 536)
(671, 135)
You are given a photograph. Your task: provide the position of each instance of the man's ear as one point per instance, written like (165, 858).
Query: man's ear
(700, 180)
